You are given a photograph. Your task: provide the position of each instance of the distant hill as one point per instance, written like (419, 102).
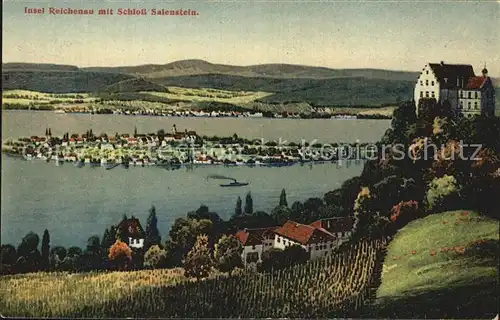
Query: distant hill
(321, 92)
(20, 66)
(199, 67)
(59, 81)
(134, 85)
(289, 83)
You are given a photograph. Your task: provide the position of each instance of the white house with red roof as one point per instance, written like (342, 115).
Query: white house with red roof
(316, 241)
(255, 242)
(467, 93)
(319, 239)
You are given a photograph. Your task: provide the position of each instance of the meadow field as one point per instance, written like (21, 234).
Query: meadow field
(59, 293)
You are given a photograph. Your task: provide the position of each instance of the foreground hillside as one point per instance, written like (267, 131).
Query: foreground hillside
(444, 265)
(59, 293)
(336, 285)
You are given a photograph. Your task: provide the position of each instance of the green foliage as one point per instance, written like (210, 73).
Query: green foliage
(368, 223)
(183, 236)
(44, 263)
(442, 193)
(227, 254)
(281, 214)
(248, 204)
(237, 210)
(7, 259)
(283, 201)
(198, 261)
(155, 257)
(152, 234)
(277, 259)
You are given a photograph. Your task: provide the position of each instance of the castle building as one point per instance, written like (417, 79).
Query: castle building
(468, 94)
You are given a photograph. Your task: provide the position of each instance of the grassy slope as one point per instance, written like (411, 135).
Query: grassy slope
(52, 294)
(417, 284)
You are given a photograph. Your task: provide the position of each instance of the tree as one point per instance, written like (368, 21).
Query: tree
(281, 214)
(28, 254)
(8, 258)
(57, 255)
(294, 254)
(108, 239)
(367, 223)
(198, 261)
(152, 234)
(227, 254)
(155, 257)
(248, 204)
(182, 237)
(443, 194)
(45, 249)
(283, 201)
(93, 255)
(120, 255)
(238, 211)
(28, 244)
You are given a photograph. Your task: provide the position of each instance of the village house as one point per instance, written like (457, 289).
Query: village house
(255, 242)
(319, 239)
(130, 231)
(316, 241)
(468, 94)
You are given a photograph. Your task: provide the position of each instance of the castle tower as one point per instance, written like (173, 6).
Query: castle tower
(484, 71)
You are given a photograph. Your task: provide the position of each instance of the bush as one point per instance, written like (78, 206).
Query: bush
(198, 262)
(443, 194)
(155, 257)
(120, 255)
(404, 212)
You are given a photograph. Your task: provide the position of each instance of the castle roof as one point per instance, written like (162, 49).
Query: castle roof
(476, 82)
(449, 75)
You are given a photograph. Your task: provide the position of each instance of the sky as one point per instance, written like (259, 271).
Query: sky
(395, 35)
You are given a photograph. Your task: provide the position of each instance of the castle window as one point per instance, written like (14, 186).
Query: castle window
(476, 94)
(432, 94)
(470, 95)
(427, 72)
(427, 94)
(432, 82)
(475, 105)
(461, 104)
(426, 82)
(461, 94)
(253, 247)
(468, 105)
(421, 83)
(421, 94)
(279, 239)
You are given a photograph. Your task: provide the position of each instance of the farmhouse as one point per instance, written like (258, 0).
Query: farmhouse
(319, 238)
(255, 242)
(317, 241)
(468, 94)
(130, 230)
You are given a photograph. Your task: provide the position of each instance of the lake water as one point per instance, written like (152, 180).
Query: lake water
(26, 123)
(75, 203)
